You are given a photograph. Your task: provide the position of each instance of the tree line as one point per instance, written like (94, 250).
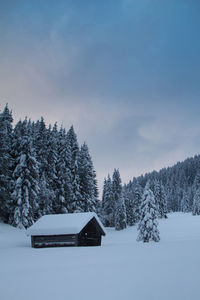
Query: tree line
(43, 171)
(145, 198)
(122, 206)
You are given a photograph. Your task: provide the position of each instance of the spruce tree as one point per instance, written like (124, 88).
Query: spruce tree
(41, 144)
(25, 180)
(196, 199)
(185, 205)
(119, 209)
(129, 204)
(87, 180)
(45, 196)
(73, 150)
(107, 203)
(137, 198)
(160, 199)
(196, 203)
(5, 162)
(148, 226)
(120, 213)
(62, 174)
(52, 158)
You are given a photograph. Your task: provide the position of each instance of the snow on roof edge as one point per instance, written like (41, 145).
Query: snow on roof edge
(62, 224)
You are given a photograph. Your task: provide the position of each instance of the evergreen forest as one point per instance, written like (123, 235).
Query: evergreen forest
(43, 170)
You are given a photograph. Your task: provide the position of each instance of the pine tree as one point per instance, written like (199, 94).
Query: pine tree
(107, 203)
(25, 180)
(129, 204)
(62, 175)
(52, 158)
(196, 201)
(87, 180)
(45, 196)
(5, 162)
(73, 150)
(120, 213)
(137, 198)
(160, 199)
(185, 205)
(118, 200)
(148, 226)
(41, 144)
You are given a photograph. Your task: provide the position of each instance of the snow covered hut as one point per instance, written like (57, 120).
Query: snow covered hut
(78, 229)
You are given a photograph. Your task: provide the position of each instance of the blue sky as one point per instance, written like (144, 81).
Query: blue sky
(125, 73)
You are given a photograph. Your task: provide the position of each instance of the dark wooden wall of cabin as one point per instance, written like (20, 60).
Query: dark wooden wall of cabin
(90, 235)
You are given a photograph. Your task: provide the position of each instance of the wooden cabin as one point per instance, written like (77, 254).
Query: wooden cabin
(78, 229)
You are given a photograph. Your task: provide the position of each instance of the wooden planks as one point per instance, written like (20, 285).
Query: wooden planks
(53, 241)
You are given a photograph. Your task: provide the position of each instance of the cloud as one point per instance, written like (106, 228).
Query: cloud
(124, 73)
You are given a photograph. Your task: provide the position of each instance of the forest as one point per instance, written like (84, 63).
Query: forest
(45, 171)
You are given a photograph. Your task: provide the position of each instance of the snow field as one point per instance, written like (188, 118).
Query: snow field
(121, 268)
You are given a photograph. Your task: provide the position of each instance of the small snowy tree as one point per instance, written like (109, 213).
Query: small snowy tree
(148, 226)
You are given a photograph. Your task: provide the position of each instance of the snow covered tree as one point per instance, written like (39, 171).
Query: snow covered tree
(107, 213)
(52, 158)
(45, 196)
(137, 198)
(148, 226)
(185, 204)
(190, 193)
(118, 200)
(87, 180)
(73, 151)
(160, 199)
(25, 180)
(41, 145)
(120, 213)
(62, 192)
(5, 161)
(129, 204)
(196, 201)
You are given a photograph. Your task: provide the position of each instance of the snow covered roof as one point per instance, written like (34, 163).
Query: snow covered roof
(62, 224)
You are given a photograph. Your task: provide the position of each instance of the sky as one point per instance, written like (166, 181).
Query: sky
(125, 73)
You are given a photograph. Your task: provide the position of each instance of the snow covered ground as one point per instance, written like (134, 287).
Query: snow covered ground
(120, 269)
